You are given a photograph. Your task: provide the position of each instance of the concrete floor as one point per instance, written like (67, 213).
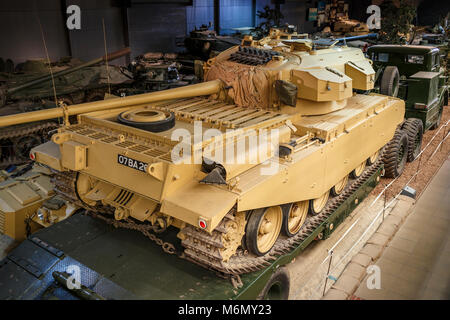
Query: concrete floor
(416, 262)
(309, 271)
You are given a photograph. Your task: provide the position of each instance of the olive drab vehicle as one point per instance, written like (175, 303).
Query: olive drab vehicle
(243, 164)
(75, 81)
(31, 88)
(415, 74)
(156, 71)
(203, 42)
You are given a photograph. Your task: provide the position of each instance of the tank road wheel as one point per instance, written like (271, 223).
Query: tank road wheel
(373, 158)
(317, 205)
(263, 229)
(357, 172)
(294, 216)
(414, 129)
(395, 155)
(277, 288)
(339, 187)
(390, 81)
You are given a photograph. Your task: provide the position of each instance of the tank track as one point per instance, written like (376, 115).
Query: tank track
(204, 249)
(65, 187)
(9, 135)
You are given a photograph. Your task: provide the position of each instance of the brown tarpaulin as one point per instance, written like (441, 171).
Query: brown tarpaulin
(250, 84)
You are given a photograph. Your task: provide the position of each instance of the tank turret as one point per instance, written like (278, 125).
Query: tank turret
(293, 77)
(239, 164)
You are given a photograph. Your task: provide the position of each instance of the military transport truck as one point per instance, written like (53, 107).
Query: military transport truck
(414, 74)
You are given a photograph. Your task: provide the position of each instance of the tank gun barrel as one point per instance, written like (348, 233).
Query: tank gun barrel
(200, 89)
(109, 57)
(364, 36)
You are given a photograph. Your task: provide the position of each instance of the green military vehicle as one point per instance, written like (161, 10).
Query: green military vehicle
(414, 74)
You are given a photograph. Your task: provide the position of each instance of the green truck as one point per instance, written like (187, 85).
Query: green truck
(414, 74)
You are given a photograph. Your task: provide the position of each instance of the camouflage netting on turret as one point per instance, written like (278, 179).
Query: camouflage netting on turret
(250, 84)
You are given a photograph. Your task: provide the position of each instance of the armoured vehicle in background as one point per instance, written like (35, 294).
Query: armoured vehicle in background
(441, 42)
(276, 36)
(350, 27)
(245, 165)
(156, 71)
(434, 39)
(414, 74)
(79, 83)
(288, 32)
(28, 202)
(203, 42)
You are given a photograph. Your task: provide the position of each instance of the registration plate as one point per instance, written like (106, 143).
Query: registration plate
(132, 163)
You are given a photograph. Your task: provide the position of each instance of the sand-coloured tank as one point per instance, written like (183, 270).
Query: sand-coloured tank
(241, 164)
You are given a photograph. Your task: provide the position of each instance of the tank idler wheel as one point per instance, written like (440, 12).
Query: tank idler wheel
(294, 216)
(390, 81)
(373, 158)
(414, 129)
(339, 187)
(263, 229)
(357, 172)
(277, 288)
(395, 155)
(317, 205)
